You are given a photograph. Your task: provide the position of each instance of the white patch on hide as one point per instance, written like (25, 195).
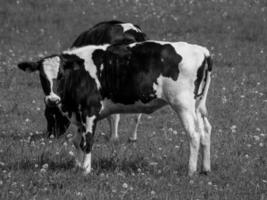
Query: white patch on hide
(51, 69)
(129, 26)
(86, 54)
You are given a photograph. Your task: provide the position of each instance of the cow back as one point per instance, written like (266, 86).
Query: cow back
(127, 74)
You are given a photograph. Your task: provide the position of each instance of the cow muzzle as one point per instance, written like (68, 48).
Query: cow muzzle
(52, 101)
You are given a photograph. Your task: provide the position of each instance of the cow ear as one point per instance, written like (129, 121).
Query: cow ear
(71, 61)
(29, 66)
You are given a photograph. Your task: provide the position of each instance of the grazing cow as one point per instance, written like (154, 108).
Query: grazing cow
(111, 32)
(96, 81)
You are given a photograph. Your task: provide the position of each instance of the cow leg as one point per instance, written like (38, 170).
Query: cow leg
(76, 140)
(205, 144)
(87, 142)
(137, 120)
(113, 124)
(189, 120)
(62, 123)
(49, 115)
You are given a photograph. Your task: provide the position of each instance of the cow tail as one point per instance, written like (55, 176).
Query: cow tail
(206, 79)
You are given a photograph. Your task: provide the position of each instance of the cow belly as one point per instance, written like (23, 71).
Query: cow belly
(109, 107)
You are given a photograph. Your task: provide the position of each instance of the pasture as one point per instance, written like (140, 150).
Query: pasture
(155, 167)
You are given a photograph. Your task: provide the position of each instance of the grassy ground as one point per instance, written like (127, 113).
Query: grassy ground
(155, 167)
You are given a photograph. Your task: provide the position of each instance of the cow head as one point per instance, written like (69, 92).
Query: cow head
(51, 71)
(48, 71)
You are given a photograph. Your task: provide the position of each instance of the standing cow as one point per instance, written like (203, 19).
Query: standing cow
(109, 32)
(97, 81)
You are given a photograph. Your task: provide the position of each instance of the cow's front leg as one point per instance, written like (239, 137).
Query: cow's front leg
(50, 119)
(76, 140)
(113, 124)
(133, 136)
(61, 123)
(87, 142)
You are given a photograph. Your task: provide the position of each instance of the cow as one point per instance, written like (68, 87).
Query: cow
(107, 32)
(97, 81)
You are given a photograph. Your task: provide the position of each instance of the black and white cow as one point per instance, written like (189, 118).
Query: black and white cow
(108, 32)
(97, 81)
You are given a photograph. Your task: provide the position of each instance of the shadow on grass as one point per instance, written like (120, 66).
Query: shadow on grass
(101, 165)
(130, 165)
(138, 165)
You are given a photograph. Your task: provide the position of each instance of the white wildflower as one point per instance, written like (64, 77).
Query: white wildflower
(45, 166)
(257, 138)
(153, 163)
(233, 128)
(79, 193)
(125, 185)
(170, 129)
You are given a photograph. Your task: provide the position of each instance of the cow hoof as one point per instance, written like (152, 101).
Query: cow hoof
(192, 174)
(86, 172)
(114, 139)
(204, 173)
(132, 140)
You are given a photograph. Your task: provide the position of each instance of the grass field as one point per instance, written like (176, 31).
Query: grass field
(32, 167)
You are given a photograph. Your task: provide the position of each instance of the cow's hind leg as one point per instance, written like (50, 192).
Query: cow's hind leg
(133, 136)
(189, 121)
(205, 144)
(113, 124)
